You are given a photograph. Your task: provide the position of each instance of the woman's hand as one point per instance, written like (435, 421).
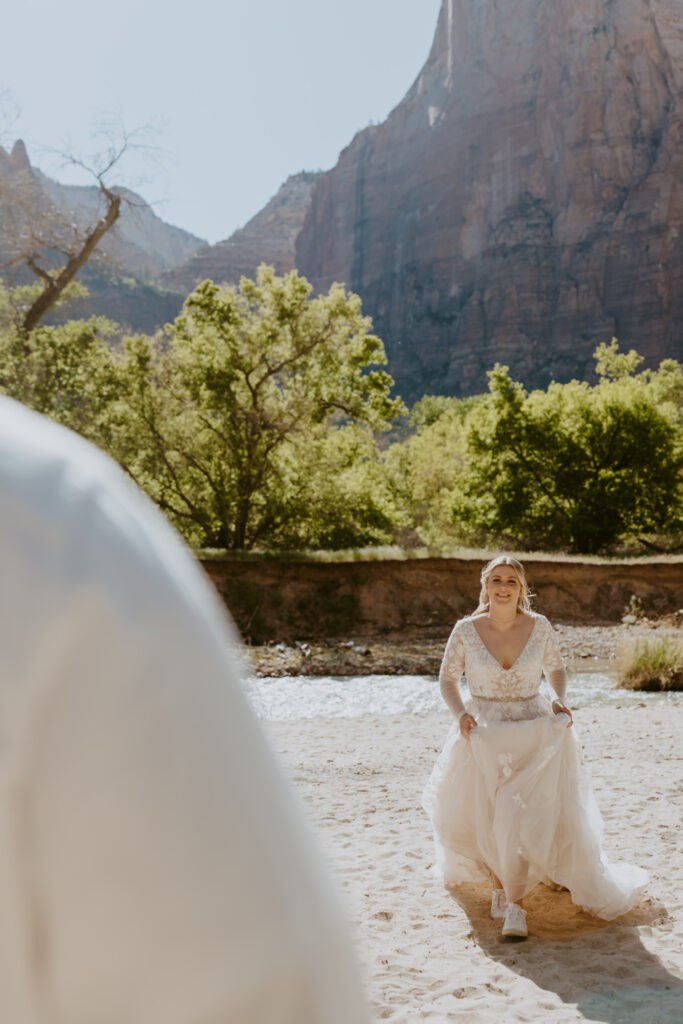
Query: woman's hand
(561, 709)
(467, 722)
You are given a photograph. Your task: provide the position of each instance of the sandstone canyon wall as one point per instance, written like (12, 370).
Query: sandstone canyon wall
(523, 202)
(269, 237)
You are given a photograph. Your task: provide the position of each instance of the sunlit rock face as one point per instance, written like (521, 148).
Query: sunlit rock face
(524, 200)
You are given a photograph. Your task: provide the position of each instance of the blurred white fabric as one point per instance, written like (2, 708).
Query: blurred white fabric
(154, 866)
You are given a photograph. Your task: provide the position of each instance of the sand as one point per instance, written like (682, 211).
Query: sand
(429, 954)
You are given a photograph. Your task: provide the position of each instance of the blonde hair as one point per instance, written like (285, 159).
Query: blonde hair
(525, 595)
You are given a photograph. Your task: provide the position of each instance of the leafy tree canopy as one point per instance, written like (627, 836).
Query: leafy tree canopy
(253, 421)
(221, 421)
(67, 372)
(575, 466)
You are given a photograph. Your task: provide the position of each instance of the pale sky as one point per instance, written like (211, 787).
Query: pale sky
(243, 93)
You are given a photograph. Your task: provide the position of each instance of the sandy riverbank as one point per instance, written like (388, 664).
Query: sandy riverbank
(431, 956)
(580, 645)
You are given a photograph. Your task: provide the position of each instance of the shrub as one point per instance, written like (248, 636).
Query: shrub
(652, 664)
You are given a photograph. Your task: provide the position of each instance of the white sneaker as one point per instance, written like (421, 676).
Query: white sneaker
(498, 904)
(514, 925)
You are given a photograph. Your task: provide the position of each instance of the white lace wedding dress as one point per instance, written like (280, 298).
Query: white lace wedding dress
(515, 800)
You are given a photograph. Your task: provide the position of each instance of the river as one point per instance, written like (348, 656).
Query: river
(287, 698)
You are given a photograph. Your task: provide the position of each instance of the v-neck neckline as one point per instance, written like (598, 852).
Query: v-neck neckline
(494, 658)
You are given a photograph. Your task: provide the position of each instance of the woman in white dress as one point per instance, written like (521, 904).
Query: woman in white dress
(508, 798)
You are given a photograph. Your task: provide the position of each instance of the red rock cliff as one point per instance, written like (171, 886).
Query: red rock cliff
(524, 200)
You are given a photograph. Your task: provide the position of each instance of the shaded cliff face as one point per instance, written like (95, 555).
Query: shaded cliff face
(140, 242)
(523, 202)
(122, 272)
(269, 237)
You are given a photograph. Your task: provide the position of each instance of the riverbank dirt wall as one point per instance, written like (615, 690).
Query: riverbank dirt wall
(300, 600)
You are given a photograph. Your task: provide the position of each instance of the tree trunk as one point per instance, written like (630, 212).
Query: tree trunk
(240, 529)
(54, 286)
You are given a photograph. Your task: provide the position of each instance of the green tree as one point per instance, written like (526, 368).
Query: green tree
(340, 496)
(67, 372)
(575, 466)
(222, 422)
(424, 469)
(611, 364)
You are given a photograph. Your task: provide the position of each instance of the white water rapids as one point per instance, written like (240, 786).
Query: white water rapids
(291, 697)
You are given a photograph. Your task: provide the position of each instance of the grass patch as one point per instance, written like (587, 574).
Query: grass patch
(371, 554)
(395, 553)
(652, 664)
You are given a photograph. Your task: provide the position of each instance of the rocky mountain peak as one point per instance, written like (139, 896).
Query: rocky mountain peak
(18, 159)
(140, 243)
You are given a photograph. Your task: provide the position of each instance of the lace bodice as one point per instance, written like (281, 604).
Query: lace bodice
(486, 677)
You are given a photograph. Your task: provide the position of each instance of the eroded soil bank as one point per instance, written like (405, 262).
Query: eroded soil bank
(415, 601)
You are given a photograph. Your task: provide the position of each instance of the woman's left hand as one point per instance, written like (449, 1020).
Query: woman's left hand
(561, 709)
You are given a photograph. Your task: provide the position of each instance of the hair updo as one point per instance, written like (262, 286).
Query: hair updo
(525, 595)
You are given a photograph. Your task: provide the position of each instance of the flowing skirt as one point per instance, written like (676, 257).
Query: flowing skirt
(515, 801)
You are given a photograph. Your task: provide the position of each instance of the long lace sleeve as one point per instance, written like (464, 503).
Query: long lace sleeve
(553, 665)
(452, 668)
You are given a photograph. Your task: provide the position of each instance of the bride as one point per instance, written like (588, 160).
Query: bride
(508, 798)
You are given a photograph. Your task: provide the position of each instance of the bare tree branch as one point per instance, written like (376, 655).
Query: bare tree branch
(54, 286)
(38, 271)
(48, 239)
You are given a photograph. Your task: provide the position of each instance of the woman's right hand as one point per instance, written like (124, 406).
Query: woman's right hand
(467, 722)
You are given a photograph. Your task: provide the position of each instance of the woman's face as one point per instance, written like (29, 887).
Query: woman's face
(503, 587)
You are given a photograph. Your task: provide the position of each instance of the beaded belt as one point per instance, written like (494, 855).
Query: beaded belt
(503, 700)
